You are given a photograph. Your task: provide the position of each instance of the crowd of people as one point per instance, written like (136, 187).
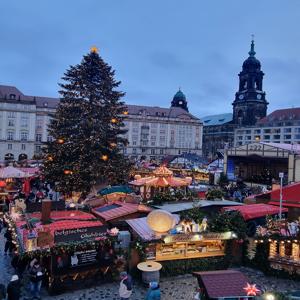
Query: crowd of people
(33, 270)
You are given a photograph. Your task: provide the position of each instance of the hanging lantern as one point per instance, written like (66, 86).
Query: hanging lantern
(68, 172)
(114, 120)
(160, 220)
(60, 141)
(50, 158)
(113, 145)
(125, 112)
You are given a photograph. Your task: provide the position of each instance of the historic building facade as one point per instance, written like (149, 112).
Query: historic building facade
(153, 132)
(249, 106)
(281, 126)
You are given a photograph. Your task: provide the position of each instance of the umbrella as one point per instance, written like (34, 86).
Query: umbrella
(115, 189)
(11, 172)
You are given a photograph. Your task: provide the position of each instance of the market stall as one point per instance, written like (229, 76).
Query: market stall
(165, 238)
(71, 245)
(282, 239)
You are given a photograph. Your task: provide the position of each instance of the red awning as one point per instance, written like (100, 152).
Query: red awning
(253, 211)
(284, 204)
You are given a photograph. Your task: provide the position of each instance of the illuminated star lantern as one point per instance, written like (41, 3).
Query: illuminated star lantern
(251, 289)
(94, 49)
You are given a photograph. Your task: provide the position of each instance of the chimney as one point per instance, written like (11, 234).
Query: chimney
(46, 210)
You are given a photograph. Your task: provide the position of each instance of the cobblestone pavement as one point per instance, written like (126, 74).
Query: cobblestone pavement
(175, 288)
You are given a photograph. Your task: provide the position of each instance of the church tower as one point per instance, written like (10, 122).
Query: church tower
(179, 100)
(250, 103)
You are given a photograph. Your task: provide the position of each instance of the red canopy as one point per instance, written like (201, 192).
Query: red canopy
(253, 211)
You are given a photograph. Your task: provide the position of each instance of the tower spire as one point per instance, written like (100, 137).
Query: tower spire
(252, 52)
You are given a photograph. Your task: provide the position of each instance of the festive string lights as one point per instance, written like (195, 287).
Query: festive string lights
(60, 141)
(104, 157)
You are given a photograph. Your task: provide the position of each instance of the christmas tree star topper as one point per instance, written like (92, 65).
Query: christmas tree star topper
(94, 49)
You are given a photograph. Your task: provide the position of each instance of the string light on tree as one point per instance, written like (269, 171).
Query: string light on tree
(60, 141)
(114, 120)
(94, 49)
(104, 157)
(125, 112)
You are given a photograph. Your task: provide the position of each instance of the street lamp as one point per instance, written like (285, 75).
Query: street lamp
(281, 174)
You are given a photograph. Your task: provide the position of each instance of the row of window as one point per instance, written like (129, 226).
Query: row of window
(24, 136)
(10, 146)
(270, 130)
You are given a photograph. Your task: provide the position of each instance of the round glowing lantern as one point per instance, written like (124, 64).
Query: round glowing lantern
(160, 220)
(2, 184)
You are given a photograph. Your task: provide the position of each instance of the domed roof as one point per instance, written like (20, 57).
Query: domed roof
(251, 63)
(179, 96)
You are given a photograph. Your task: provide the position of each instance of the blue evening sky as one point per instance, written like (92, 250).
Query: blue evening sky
(155, 47)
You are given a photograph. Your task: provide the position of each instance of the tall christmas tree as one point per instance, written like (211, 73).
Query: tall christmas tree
(87, 128)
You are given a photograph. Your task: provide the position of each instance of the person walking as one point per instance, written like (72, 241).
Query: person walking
(8, 244)
(153, 292)
(36, 277)
(14, 288)
(125, 289)
(2, 292)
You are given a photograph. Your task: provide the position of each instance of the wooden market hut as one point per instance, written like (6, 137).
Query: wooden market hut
(72, 245)
(161, 179)
(225, 284)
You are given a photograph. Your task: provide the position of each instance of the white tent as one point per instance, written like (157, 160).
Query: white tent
(11, 172)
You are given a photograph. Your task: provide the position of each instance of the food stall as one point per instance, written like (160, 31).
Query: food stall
(71, 245)
(165, 238)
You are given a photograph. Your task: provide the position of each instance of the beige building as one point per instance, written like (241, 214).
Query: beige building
(153, 132)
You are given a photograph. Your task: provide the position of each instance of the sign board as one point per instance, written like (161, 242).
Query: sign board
(83, 258)
(79, 234)
(44, 239)
(199, 237)
(281, 175)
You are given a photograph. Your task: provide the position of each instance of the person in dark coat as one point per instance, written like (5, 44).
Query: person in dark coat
(9, 244)
(36, 277)
(13, 288)
(2, 291)
(153, 292)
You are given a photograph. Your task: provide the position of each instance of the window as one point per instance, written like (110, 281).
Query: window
(134, 143)
(11, 122)
(11, 114)
(134, 150)
(144, 150)
(287, 130)
(297, 136)
(248, 137)
(153, 143)
(287, 137)
(38, 137)
(266, 137)
(10, 135)
(267, 130)
(256, 131)
(24, 136)
(152, 151)
(38, 148)
(9, 146)
(24, 122)
(23, 147)
(49, 138)
(12, 96)
(39, 122)
(161, 151)
(240, 137)
(276, 136)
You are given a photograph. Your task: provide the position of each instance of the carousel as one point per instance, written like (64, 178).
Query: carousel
(161, 179)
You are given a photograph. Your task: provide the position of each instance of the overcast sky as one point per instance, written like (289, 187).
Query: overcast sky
(155, 46)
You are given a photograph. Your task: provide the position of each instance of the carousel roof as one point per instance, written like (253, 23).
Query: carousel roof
(163, 177)
(11, 172)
